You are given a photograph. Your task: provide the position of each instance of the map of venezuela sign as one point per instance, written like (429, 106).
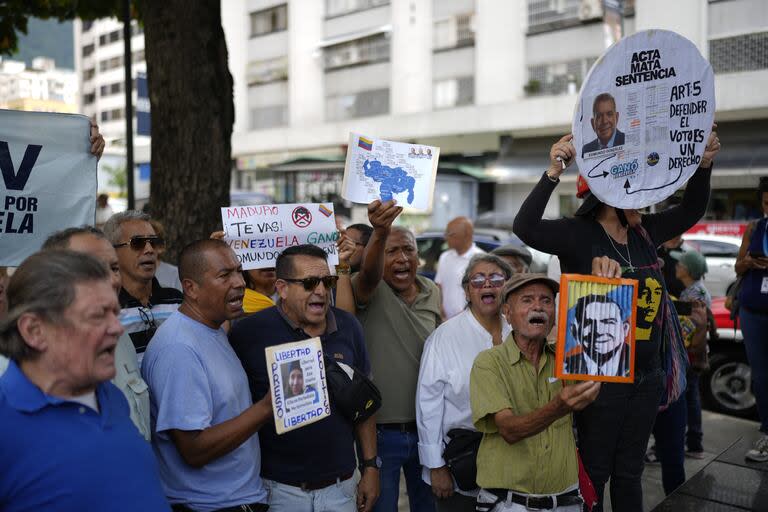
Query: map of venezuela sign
(386, 170)
(643, 118)
(259, 233)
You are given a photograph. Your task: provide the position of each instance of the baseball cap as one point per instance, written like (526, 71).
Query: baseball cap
(512, 250)
(694, 261)
(518, 281)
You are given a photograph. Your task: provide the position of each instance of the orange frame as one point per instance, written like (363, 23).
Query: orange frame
(562, 328)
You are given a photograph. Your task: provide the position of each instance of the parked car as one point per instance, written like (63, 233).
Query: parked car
(720, 252)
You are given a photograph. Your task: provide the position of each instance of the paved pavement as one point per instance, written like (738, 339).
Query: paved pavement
(720, 432)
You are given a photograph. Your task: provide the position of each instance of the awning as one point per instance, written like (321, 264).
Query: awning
(353, 36)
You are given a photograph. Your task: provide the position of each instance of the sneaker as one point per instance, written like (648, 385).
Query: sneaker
(759, 452)
(695, 454)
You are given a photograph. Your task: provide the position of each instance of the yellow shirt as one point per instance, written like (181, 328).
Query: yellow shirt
(255, 301)
(545, 463)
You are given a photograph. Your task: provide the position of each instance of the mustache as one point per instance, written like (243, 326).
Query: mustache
(538, 316)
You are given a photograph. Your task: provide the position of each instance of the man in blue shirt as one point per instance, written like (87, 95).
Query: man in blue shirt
(311, 468)
(66, 438)
(203, 421)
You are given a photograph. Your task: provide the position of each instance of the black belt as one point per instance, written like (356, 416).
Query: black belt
(248, 507)
(539, 502)
(317, 484)
(409, 426)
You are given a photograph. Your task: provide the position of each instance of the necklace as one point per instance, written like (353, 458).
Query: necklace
(628, 259)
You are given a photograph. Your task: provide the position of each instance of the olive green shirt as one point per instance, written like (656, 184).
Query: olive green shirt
(395, 333)
(545, 463)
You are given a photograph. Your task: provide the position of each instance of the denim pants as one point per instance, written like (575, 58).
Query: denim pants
(613, 435)
(669, 432)
(694, 436)
(338, 497)
(400, 450)
(754, 327)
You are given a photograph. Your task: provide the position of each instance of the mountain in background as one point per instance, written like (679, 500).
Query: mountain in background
(47, 38)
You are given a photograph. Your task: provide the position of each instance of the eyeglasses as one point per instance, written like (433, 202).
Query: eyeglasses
(310, 283)
(137, 243)
(478, 280)
(149, 320)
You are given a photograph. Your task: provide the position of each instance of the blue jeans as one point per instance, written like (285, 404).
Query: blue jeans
(400, 450)
(338, 497)
(613, 435)
(669, 432)
(754, 327)
(693, 400)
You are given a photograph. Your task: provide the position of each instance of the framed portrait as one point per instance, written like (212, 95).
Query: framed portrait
(596, 329)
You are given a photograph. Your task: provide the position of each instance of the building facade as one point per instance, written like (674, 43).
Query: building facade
(42, 87)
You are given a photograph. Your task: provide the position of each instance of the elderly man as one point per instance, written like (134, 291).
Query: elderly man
(398, 310)
(523, 412)
(311, 468)
(146, 304)
(601, 332)
(204, 423)
(453, 263)
(66, 440)
(127, 378)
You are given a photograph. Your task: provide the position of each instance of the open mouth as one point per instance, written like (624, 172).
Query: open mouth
(235, 302)
(316, 307)
(402, 273)
(108, 351)
(147, 265)
(488, 298)
(538, 320)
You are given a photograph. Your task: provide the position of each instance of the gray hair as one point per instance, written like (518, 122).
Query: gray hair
(44, 285)
(112, 226)
(485, 258)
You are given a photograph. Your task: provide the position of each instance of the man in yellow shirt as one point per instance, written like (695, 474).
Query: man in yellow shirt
(527, 457)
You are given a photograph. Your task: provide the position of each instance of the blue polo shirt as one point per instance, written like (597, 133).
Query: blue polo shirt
(61, 455)
(319, 451)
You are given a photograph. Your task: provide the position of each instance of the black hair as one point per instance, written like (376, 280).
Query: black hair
(364, 230)
(60, 239)
(592, 298)
(192, 262)
(762, 188)
(284, 264)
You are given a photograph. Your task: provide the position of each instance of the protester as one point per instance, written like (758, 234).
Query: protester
(359, 234)
(66, 439)
(127, 377)
(399, 310)
(167, 274)
(527, 458)
(453, 262)
(752, 266)
(103, 210)
(614, 431)
(442, 397)
(204, 424)
(311, 468)
(667, 252)
(259, 289)
(519, 258)
(146, 304)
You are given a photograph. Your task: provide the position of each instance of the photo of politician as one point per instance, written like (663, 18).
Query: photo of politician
(604, 121)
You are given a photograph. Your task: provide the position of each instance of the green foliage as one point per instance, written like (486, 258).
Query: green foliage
(117, 178)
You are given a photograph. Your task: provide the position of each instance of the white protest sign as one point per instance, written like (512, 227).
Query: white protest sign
(643, 118)
(258, 234)
(48, 179)
(297, 383)
(382, 169)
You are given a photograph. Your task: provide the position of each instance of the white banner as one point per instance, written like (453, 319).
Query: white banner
(643, 118)
(48, 179)
(259, 233)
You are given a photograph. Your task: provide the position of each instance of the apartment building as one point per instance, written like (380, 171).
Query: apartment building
(42, 87)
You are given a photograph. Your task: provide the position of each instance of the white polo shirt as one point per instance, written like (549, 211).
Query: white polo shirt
(450, 270)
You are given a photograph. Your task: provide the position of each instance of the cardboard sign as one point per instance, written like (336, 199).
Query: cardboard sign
(386, 170)
(258, 234)
(643, 117)
(297, 383)
(596, 329)
(48, 179)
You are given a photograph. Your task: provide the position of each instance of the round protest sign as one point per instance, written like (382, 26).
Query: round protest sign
(643, 118)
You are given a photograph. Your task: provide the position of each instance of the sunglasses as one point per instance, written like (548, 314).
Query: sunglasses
(310, 283)
(137, 243)
(479, 280)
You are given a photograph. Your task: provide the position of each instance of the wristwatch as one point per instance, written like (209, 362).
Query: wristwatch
(374, 462)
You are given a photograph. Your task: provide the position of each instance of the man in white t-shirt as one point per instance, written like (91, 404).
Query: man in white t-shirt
(452, 263)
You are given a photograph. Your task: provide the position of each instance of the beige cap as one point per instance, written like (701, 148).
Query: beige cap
(519, 280)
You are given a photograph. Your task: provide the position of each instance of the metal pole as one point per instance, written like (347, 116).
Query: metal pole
(128, 102)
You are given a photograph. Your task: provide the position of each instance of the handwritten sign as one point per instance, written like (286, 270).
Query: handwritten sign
(386, 170)
(643, 118)
(258, 234)
(297, 383)
(48, 179)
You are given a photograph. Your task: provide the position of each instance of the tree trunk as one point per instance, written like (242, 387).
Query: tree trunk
(190, 93)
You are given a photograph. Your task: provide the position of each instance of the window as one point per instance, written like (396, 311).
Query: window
(548, 14)
(114, 62)
(557, 78)
(360, 51)
(112, 115)
(88, 50)
(89, 98)
(270, 20)
(746, 52)
(361, 104)
(138, 56)
(339, 7)
(265, 71)
(87, 26)
(454, 32)
(269, 117)
(110, 89)
(88, 74)
(454, 92)
(111, 37)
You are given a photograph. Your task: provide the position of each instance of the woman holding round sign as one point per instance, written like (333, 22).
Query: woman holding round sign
(609, 237)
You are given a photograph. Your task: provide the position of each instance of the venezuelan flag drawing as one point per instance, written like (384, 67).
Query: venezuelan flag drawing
(325, 210)
(366, 144)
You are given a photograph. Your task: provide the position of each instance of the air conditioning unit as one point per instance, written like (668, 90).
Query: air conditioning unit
(590, 9)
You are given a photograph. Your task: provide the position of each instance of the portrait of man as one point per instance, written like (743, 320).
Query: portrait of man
(648, 303)
(602, 334)
(605, 121)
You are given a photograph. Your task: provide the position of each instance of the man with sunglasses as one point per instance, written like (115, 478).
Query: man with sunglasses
(145, 303)
(311, 468)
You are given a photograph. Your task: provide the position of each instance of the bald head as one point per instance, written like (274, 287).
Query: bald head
(458, 234)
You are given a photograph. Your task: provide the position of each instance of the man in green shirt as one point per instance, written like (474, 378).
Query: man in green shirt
(527, 458)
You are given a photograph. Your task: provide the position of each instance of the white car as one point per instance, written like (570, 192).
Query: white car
(720, 252)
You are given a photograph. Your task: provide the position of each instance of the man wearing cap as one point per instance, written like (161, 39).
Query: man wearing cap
(519, 258)
(523, 412)
(453, 263)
